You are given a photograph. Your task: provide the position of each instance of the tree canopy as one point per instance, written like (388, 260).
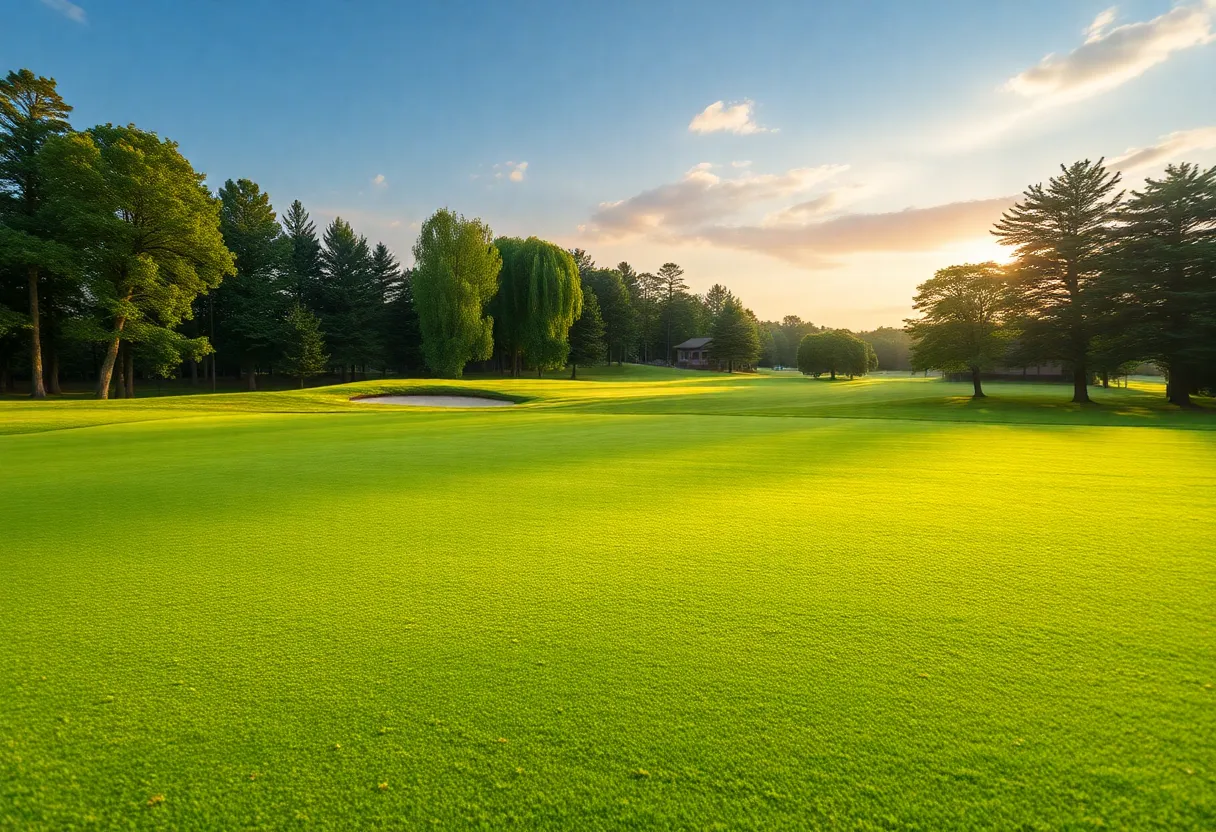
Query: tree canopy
(538, 299)
(735, 340)
(835, 351)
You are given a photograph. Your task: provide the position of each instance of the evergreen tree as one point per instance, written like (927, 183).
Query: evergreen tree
(31, 112)
(304, 345)
(403, 334)
(149, 229)
(672, 286)
(715, 300)
(349, 299)
(251, 305)
(386, 273)
(1162, 287)
(1062, 235)
(539, 297)
(587, 335)
(455, 276)
(735, 340)
(305, 259)
(960, 329)
(612, 296)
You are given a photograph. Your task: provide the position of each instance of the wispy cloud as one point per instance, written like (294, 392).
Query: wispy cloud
(1113, 55)
(719, 118)
(379, 181)
(701, 197)
(511, 171)
(68, 9)
(1167, 148)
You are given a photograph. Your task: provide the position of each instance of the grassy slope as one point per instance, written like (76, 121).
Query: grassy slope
(673, 614)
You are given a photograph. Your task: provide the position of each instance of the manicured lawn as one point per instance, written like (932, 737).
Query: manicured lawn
(647, 599)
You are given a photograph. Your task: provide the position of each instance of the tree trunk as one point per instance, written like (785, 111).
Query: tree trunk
(975, 382)
(833, 375)
(251, 378)
(107, 365)
(1080, 386)
(1178, 388)
(193, 372)
(573, 371)
(1105, 380)
(130, 370)
(52, 375)
(37, 387)
(301, 382)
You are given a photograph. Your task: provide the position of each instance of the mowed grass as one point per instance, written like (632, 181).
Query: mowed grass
(646, 599)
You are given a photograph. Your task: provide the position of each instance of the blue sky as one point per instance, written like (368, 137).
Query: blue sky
(857, 146)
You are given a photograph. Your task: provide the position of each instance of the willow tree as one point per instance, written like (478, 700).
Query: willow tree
(149, 229)
(455, 275)
(1062, 234)
(960, 329)
(539, 297)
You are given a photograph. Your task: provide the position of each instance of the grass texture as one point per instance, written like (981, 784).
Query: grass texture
(647, 599)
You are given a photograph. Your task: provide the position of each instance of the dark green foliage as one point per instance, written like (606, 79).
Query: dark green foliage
(835, 351)
(539, 297)
(963, 309)
(735, 340)
(303, 344)
(715, 300)
(1062, 236)
(1162, 278)
(455, 276)
(403, 334)
(252, 304)
(31, 113)
(612, 295)
(780, 347)
(304, 269)
(671, 288)
(587, 335)
(349, 299)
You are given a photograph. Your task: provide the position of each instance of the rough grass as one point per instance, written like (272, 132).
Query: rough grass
(626, 602)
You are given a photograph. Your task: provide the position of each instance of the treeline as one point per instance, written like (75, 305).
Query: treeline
(118, 263)
(1102, 280)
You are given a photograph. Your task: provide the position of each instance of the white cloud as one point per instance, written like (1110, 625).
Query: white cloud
(1167, 148)
(718, 117)
(701, 197)
(511, 170)
(517, 175)
(379, 181)
(746, 163)
(1110, 57)
(68, 9)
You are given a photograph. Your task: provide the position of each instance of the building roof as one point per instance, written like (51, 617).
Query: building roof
(693, 344)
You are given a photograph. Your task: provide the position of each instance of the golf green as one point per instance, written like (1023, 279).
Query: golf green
(644, 599)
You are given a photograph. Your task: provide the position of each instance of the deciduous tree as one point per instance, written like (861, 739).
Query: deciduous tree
(961, 325)
(454, 277)
(304, 345)
(539, 297)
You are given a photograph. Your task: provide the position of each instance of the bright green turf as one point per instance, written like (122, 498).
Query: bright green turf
(627, 602)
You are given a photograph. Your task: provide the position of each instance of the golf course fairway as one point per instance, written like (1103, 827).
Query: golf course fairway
(646, 599)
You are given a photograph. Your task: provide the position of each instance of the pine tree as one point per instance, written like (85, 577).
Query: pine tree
(31, 113)
(587, 335)
(672, 286)
(304, 345)
(305, 259)
(1062, 235)
(735, 340)
(1162, 284)
(349, 301)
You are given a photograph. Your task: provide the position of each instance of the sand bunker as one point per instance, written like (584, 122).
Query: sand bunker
(437, 401)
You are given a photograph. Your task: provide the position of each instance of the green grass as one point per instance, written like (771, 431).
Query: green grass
(646, 599)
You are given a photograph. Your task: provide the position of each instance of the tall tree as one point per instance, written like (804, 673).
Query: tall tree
(305, 259)
(539, 297)
(716, 298)
(587, 335)
(455, 276)
(735, 340)
(303, 344)
(149, 228)
(1062, 234)
(1163, 276)
(252, 302)
(31, 112)
(349, 299)
(612, 296)
(960, 329)
(386, 273)
(672, 285)
(403, 335)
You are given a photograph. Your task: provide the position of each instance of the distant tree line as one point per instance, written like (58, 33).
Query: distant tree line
(1101, 281)
(118, 263)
